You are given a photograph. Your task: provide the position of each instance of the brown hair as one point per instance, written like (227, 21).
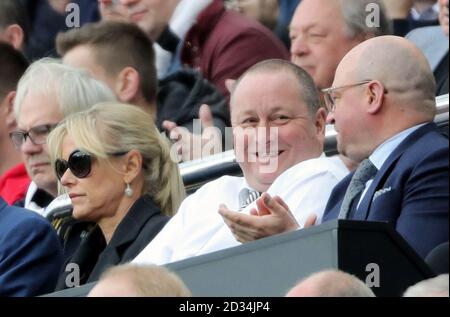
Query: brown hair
(13, 65)
(116, 45)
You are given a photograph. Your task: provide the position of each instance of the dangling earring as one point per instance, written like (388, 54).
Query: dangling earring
(128, 190)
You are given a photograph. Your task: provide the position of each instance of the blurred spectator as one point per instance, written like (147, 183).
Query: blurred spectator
(433, 287)
(30, 253)
(425, 10)
(433, 41)
(274, 14)
(288, 162)
(13, 23)
(323, 31)
(14, 179)
(407, 15)
(122, 56)
(264, 11)
(331, 284)
(112, 10)
(117, 170)
(47, 93)
(220, 43)
(139, 281)
(48, 17)
(223, 45)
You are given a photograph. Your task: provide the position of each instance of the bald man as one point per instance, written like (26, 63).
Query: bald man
(331, 284)
(382, 105)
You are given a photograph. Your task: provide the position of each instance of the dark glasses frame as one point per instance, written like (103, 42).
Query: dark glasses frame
(79, 163)
(37, 135)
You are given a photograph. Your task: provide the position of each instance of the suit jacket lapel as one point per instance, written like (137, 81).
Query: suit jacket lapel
(364, 208)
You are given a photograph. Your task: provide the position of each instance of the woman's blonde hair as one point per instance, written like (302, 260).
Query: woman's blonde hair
(112, 127)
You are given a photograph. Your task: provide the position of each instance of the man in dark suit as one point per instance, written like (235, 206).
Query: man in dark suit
(382, 105)
(30, 253)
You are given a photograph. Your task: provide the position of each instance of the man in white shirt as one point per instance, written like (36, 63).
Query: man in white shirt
(276, 107)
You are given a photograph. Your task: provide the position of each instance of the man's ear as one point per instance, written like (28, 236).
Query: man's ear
(15, 36)
(132, 166)
(128, 83)
(375, 96)
(320, 121)
(9, 111)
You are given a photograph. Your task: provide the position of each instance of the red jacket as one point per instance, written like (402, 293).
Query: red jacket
(14, 184)
(223, 44)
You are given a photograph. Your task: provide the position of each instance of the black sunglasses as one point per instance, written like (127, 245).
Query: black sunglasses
(79, 163)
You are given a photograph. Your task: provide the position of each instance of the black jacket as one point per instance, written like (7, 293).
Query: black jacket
(182, 93)
(141, 224)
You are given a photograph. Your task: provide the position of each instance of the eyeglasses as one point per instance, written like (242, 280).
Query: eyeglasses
(79, 163)
(37, 135)
(330, 97)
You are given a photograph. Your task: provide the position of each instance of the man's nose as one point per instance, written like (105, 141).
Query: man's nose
(29, 148)
(298, 48)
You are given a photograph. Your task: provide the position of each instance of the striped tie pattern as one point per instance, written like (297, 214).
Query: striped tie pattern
(246, 197)
(363, 173)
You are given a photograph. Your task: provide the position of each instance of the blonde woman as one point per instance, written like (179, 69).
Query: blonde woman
(117, 170)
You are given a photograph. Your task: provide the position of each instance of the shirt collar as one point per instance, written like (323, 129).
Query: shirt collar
(382, 152)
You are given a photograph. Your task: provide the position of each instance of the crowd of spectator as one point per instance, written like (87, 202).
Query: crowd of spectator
(101, 99)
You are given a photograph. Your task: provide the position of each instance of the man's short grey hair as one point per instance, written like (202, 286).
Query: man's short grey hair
(75, 89)
(433, 287)
(307, 87)
(356, 12)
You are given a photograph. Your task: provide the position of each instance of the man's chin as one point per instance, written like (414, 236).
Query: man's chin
(46, 183)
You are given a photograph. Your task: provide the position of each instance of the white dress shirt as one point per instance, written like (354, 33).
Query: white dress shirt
(29, 203)
(198, 228)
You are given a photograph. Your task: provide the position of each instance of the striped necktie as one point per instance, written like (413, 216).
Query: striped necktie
(363, 174)
(246, 197)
